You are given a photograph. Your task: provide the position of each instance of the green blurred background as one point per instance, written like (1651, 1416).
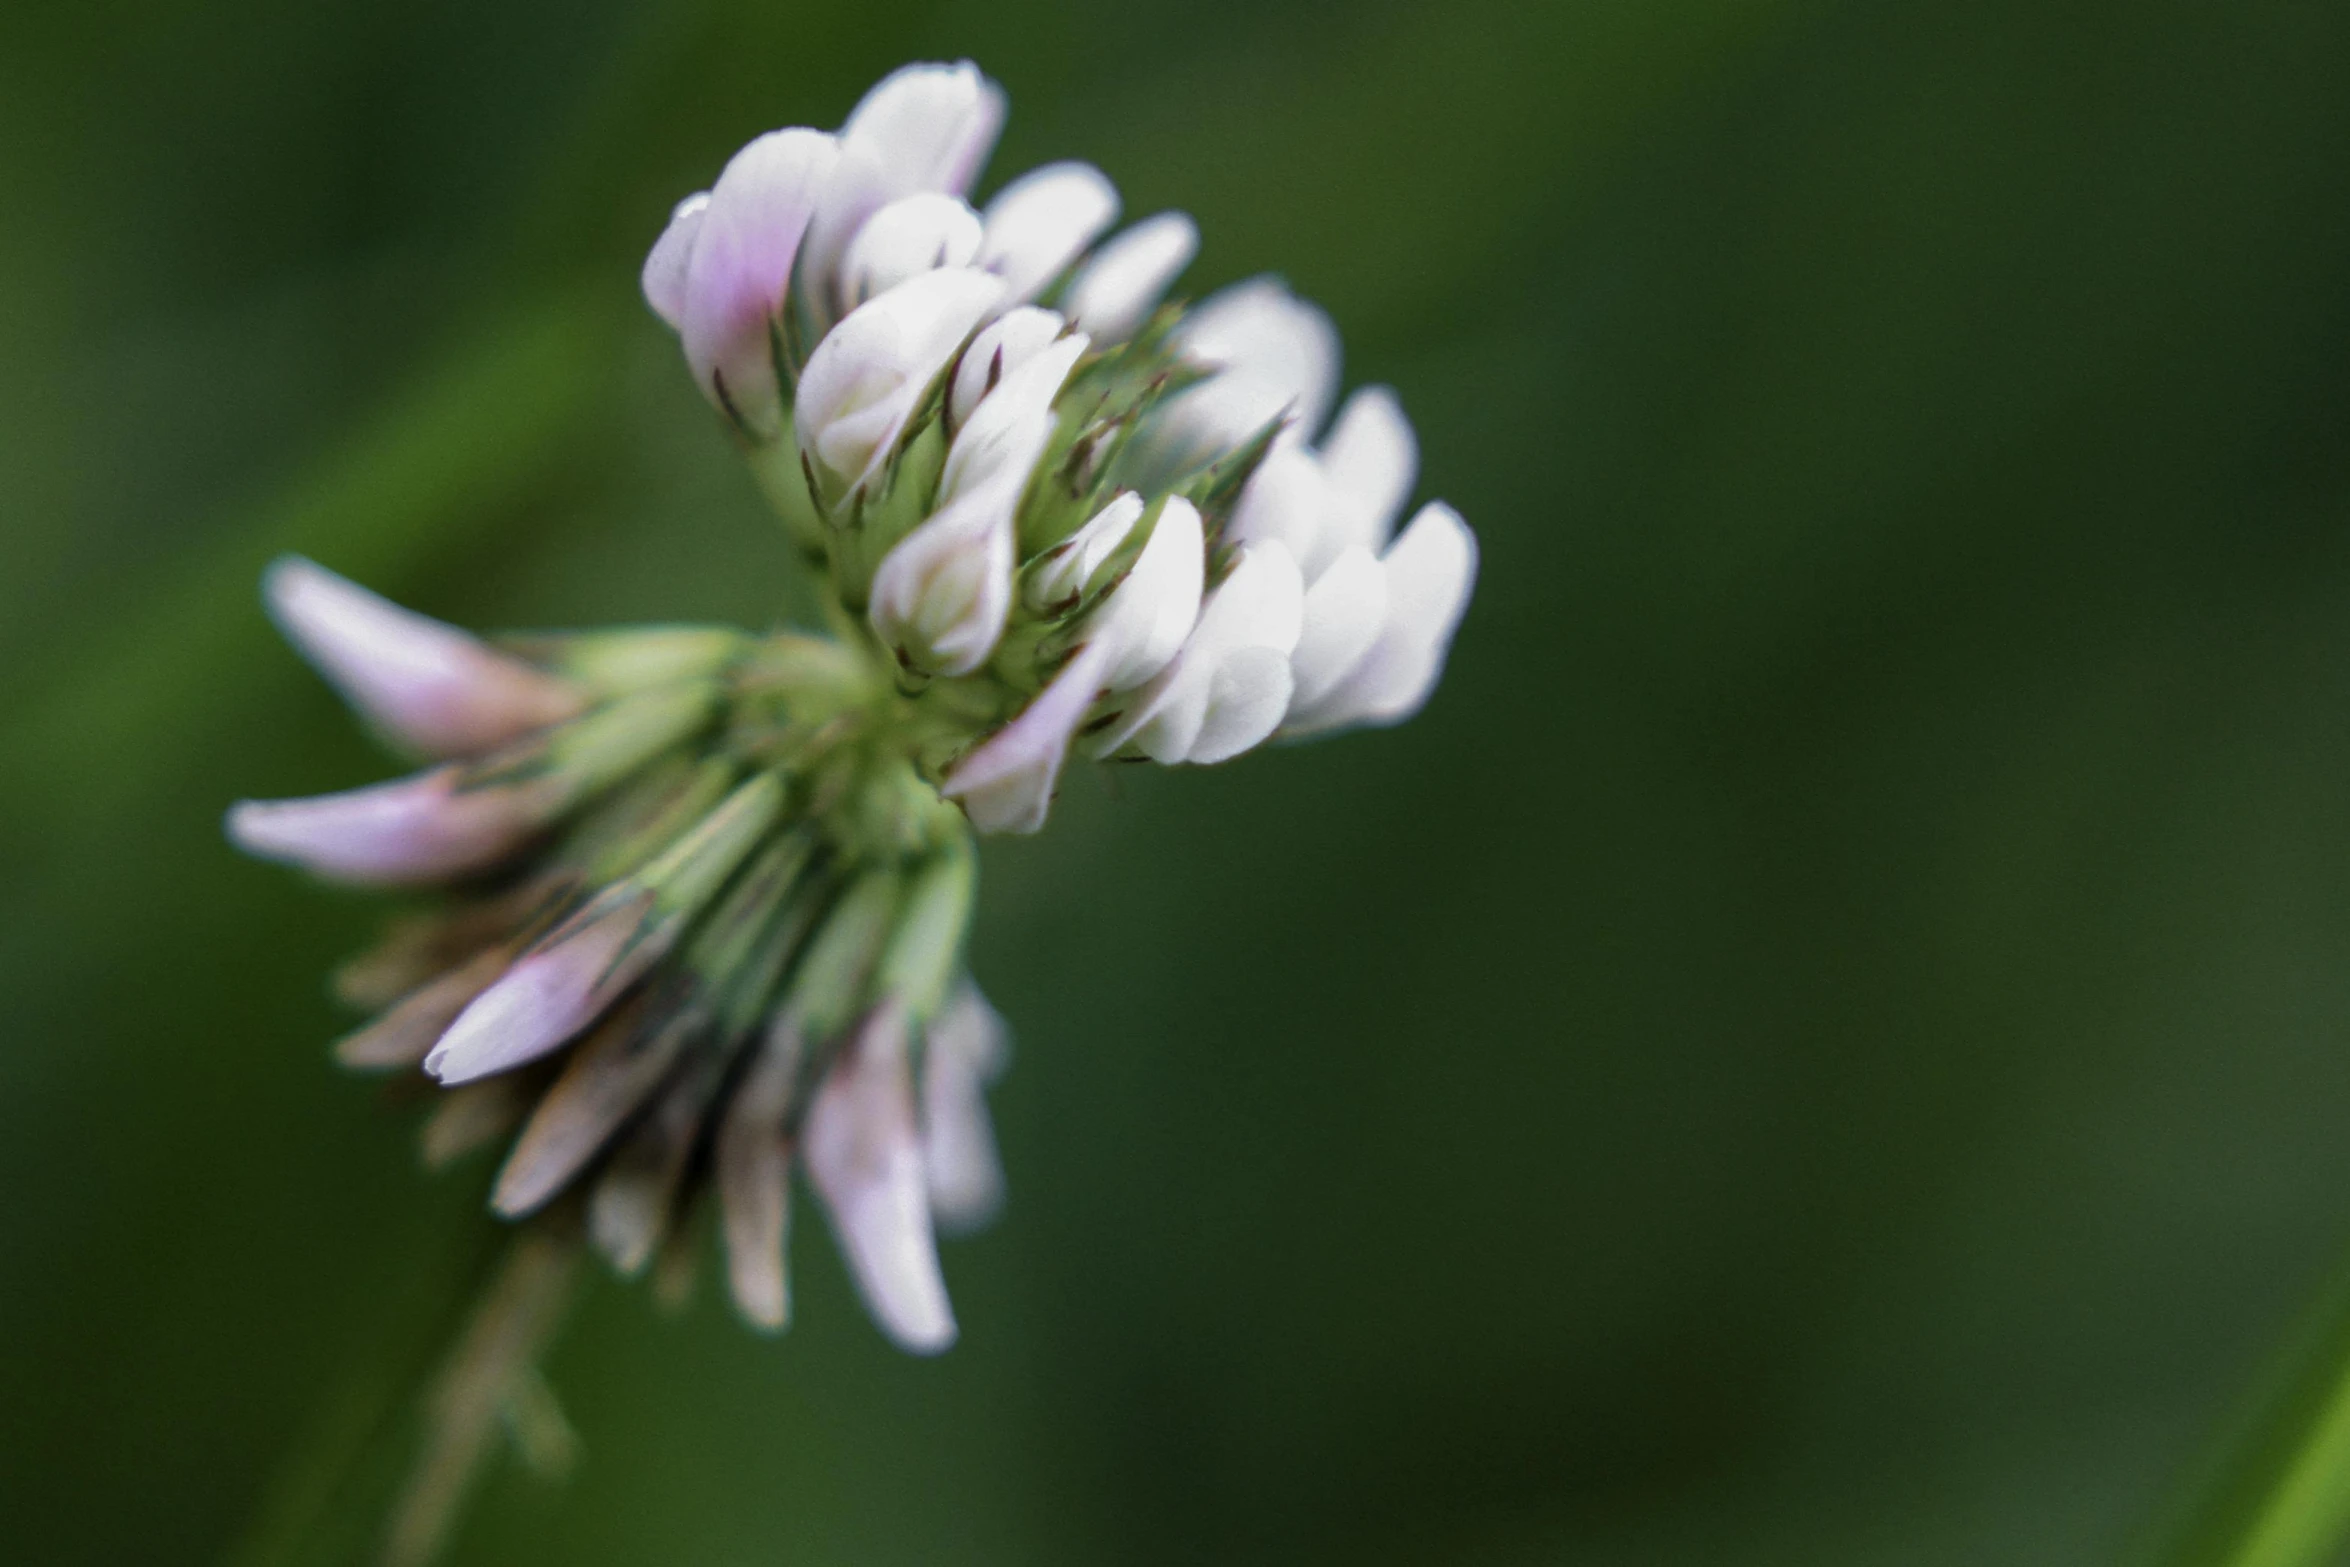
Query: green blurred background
(1828, 1042)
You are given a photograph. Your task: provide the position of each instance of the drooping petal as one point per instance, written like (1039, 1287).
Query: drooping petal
(967, 1048)
(614, 1070)
(1369, 460)
(1344, 612)
(1258, 606)
(1146, 618)
(910, 236)
(1124, 280)
(405, 1034)
(1430, 569)
(754, 1176)
(632, 1203)
(432, 689)
(1002, 347)
(1042, 221)
(552, 993)
(863, 381)
(740, 267)
(666, 266)
(1006, 785)
(410, 832)
(864, 1156)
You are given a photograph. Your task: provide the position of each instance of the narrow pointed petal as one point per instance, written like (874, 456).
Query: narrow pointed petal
(1002, 347)
(741, 266)
(1369, 460)
(967, 1048)
(430, 688)
(1145, 620)
(754, 1177)
(910, 236)
(404, 1036)
(666, 266)
(1041, 223)
(410, 832)
(864, 1156)
(553, 993)
(1124, 280)
(1343, 615)
(1431, 569)
(614, 1070)
(1006, 785)
(863, 381)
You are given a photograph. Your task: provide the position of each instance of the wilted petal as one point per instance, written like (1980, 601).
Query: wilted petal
(405, 1034)
(470, 1118)
(630, 1207)
(1258, 607)
(1369, 460)
(603, 1082)
(864, 1156)
(910, 236)
(1430, 570)
(1042, 222)
(665, 267)
(1145, 619)
(1006, 785)
(1124, 280)
(740, 267)
(1001, 348)
(863, 381)
(410, 832)
(429, 687)
(1344, 612)
(965, 1049)
(552, 993)
(754, 1177)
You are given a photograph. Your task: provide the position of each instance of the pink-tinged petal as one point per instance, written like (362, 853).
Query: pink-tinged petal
(1344, 612)
(1146, 618)
(405, 1034)
(1431, 569)
(864, 1157)
(1041, 223)
(1369, 460)
(741, 267)
(666, 265)
(410, 832)
(552, 993)
(965, 1048)
(1124, 280)
(429, 687)
(1006, 784)
(862, 383)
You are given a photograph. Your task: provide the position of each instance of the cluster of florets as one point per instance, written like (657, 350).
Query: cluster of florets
(701, 895)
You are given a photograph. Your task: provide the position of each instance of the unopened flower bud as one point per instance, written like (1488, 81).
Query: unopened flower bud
(863, 381)
(1042, 221)
(912, 235)
(1124, 280)
(431, 689)
(1060, 577)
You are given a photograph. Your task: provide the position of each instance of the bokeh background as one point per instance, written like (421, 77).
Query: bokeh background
(1828, 1042)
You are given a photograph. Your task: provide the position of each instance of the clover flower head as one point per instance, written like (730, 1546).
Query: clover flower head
(701, 896)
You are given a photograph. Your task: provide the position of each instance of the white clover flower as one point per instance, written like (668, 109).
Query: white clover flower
(704, 893)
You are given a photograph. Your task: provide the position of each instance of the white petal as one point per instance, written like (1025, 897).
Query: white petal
(931, 126)
(1259, 605)
(1058, 577)
(1369, 460)
(553, 993)
(410, 832)
(1274, 352)
(1145, 620)
(1344, 612)
(1125, 279)
(1284, 501)
(863, 381)
(910, 236)
(1009, 430)
(1246, 697)
(1006, 785)
(1002, 346)
(1430, 570)
(665, 267)
(965, 1049)
(1042, 221)
(431, 688)
(864, 1157)
(741, 265)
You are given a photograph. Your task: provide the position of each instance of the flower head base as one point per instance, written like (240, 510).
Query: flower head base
(703, 895)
